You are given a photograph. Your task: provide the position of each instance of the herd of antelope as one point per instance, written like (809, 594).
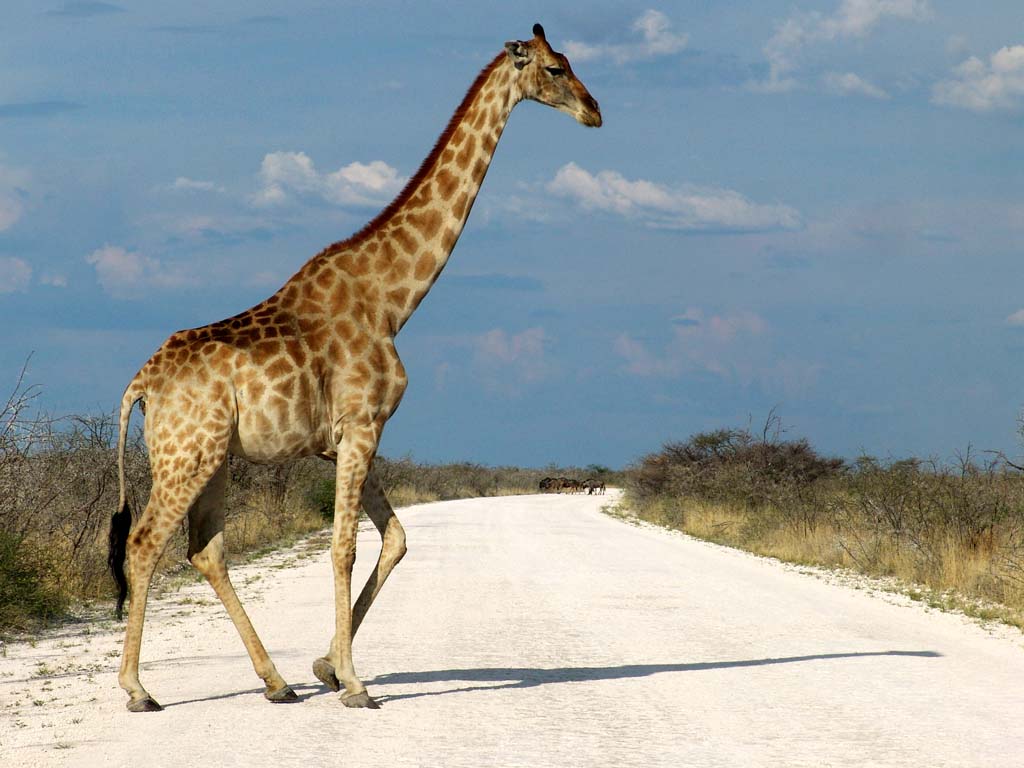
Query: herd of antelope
(569, 485)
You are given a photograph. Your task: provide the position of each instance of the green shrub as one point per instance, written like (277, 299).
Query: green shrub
(321, 497)
(25, 592)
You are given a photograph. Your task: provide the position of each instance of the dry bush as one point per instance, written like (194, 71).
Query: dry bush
(956, 528)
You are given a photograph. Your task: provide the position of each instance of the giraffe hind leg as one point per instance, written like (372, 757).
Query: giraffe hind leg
(206, 553)
(168, 504)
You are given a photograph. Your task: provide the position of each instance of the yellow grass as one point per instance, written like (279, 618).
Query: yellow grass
(972, 580)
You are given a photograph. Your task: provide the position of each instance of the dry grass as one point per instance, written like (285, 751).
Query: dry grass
(981, 581)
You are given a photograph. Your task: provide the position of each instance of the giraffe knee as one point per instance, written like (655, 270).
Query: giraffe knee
(395, 541)
(140, 547)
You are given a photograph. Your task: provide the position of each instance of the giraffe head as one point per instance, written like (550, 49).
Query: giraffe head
(544, 75)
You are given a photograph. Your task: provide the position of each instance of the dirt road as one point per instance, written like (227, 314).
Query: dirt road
(534, 631)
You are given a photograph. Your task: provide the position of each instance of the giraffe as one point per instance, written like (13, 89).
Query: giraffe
(313, 370)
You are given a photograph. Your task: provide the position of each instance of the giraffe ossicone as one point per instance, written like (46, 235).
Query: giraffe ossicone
(313, 371)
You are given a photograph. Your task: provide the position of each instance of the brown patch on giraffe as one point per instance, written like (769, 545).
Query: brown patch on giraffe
(404, 239)
(448, 239)
(358, 344)
(359, 375)
(312, 292)
(481, 118)
(459, 208)
(377, 358)
(398, 296)
(280, 367)
(424, 266)
(289, 294)
(466, 153)
(255, 390)
(286, 388)
(296, 352)
(447, 183)
(428, 223)
(357, 265)
(325, 277)
(344, 328)
(340, 296)
(480, 169)
(308, 325)
(398, 272)
(175, 341)
(334, 350)
(262, 351)
(318, 337)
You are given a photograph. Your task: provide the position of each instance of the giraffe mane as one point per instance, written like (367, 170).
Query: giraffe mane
(403, 197)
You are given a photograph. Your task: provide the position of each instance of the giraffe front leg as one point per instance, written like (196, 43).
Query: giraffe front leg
(393, 549)
(355, 452)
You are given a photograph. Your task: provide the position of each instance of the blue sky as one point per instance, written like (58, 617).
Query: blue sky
(816, 206)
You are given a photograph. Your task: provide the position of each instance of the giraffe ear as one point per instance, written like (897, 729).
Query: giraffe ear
(519, 52)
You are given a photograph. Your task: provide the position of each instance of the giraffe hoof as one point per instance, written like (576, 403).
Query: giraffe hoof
(147, 704)
(359, 700)
(325, 674)
(282, 695)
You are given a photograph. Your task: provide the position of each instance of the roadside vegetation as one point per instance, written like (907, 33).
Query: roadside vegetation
(58, 489)
(950, 534)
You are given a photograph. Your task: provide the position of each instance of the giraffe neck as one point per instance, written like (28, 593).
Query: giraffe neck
(409, 243)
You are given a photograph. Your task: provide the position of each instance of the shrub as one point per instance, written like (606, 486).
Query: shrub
(26, 587)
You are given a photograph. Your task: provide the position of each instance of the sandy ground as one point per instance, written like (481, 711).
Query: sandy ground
(534, 631)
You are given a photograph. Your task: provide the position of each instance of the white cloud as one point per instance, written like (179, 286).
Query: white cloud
(985, 87)
(184, 184)
(123, 273)
(852, 19)
(15, 274)
(1017, 318)
(12, 192)
(523, 352)
(687, 207)
(286, 174)
(498, 360)
(699, 342)
(54, 279)
(657, 39)
(845, 83)
(735, 347)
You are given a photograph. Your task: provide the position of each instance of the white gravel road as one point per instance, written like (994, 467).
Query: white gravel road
(534, 631)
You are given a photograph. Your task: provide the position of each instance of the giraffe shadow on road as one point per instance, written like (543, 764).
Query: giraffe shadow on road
(506, 678)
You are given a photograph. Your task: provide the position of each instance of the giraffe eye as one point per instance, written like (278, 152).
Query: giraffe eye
(555, 71)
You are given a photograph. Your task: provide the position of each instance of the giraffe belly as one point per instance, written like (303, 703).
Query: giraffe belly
(271, 431)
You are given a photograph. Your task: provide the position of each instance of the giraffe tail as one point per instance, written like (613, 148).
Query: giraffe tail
(121, 520)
